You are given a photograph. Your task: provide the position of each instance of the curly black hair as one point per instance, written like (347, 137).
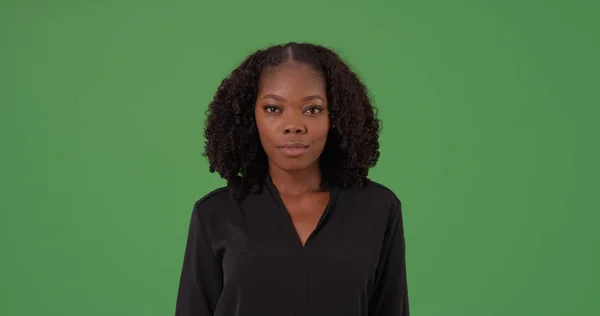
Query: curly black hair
(232, 142)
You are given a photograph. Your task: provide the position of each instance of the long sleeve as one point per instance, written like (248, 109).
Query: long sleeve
(201, 276)
(390, 293)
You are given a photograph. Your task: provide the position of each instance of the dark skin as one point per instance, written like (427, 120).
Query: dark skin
(293, 123)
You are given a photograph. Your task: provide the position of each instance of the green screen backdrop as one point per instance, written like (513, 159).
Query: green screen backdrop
(490, 138)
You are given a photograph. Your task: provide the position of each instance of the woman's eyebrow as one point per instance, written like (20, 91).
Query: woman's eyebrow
(312, 97)
(280, 98)
(274, 96)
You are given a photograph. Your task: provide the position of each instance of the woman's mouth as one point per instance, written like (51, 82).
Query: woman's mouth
(293, 149)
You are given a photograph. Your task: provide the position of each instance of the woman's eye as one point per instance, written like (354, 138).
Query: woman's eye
(271, 109)
(314, 110)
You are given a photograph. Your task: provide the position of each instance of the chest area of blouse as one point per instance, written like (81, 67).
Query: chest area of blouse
(337, 224)
(305, 212)
(271, 240)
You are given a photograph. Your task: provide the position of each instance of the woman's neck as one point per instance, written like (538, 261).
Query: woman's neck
(296, 182)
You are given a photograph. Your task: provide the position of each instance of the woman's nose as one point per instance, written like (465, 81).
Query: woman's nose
(294, 130)
(294, 126)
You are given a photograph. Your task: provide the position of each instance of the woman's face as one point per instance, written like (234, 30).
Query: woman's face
(291, 116)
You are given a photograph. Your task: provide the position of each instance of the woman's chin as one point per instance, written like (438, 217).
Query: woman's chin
(295, 165)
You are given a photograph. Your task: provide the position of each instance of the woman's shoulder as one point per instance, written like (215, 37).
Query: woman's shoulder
(217, 195)
(375, 198)
(217, 199)
(376, 190)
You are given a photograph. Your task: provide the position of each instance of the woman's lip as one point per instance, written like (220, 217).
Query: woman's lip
(293, 144)
(293, 151)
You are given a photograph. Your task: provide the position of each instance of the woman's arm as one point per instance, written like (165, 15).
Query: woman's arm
(201, 279)
(390, 293)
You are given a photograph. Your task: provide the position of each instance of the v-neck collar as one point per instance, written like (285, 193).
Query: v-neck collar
(285, 217)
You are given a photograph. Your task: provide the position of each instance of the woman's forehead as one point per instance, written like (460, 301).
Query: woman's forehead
(287, 78)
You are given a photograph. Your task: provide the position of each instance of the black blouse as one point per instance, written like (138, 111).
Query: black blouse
(244, 258)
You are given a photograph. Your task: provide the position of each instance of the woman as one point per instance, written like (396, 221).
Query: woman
(299, 229)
